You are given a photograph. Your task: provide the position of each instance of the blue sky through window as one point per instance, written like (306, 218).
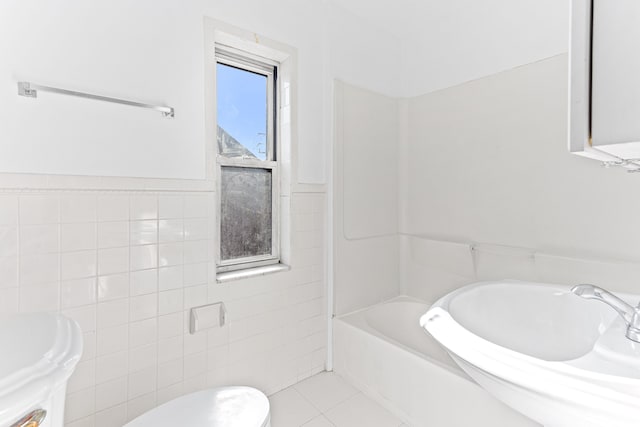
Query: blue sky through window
(242, 107)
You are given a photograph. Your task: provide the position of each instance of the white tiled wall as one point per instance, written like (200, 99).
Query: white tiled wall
(129, 265)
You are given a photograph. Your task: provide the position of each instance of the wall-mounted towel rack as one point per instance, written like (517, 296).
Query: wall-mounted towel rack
(31, 90)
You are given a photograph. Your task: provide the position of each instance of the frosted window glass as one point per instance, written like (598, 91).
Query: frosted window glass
(246, 212)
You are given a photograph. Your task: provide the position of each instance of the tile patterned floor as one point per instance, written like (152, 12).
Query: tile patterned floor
(326, 400)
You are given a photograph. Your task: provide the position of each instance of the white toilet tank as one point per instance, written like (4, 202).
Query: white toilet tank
(38, 353)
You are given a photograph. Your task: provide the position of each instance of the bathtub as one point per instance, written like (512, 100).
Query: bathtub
(385, 353)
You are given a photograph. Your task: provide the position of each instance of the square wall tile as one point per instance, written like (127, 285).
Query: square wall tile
(144, 282)
(170, 206)
(170, 325)
(170, 277)
(111, 393)
(111, 367)
(8, 209)
(143, 307)
(170, 349)
(196, 229)
(143, 207)
(8, 241)
(79, 404)
(114, 286)
(170, 230)
(74, 265)
(84, 316)
(143, 232)
(195, 274)
(144, 257)
(38, 269)
(78, 292)
(9, 300)
(40, 298)
(143, 357)
(143, 332)
(113, 208)
(142, 382)
(39, 239)
(140, 405)
(170, 373)
(115, 260)
(195, 365)
(170, 254)
(39, 209)
(166, 394)
(78, 208)
(83, 376)
(111, 340)
(113, 234)
(8, 272)
(195, 206)
(196, 251)
(195, 296)
(114, 416)
(112, 313)
(170, 301)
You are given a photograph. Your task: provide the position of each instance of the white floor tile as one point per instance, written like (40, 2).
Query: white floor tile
(290, 409)
(319, 421)
(325, 390)
(361, 411)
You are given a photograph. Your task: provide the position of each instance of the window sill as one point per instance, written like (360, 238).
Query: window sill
(229, 276)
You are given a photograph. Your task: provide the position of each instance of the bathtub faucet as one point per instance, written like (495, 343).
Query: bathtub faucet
(629, 313)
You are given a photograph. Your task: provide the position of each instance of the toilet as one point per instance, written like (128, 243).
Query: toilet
(215, 407)
(39, 353)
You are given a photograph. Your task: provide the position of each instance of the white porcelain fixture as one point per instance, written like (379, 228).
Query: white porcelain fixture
(39, 353)
(384, 352)
(560, 359)
(216, 407)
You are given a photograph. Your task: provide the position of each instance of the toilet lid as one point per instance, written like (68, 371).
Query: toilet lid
(216, 407)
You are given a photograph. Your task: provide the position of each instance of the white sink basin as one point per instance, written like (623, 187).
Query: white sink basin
(559, 359)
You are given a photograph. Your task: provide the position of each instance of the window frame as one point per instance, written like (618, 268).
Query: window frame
(243, 60)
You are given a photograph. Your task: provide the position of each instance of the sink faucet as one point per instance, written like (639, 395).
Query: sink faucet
(629, 313)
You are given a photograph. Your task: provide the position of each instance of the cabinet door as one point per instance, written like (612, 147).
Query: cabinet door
(615, 98)
(604, 102)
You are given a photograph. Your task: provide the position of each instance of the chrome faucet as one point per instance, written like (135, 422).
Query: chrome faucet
(629, 313)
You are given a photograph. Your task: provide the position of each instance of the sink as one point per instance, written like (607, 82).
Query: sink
(559, 359)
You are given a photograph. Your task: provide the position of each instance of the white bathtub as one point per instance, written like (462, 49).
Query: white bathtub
(383, 351)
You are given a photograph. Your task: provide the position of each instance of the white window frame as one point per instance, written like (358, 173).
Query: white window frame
(231, 56)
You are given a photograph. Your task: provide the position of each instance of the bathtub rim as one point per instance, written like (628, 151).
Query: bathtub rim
(349, 319)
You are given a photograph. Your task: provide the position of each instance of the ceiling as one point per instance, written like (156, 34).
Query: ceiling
(448, 42)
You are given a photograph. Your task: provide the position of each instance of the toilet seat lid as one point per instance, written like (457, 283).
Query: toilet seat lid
(216, 407)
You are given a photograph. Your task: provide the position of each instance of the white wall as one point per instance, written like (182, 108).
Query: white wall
(144, 51)
(365, 201)
(153, 51)
(487, 162)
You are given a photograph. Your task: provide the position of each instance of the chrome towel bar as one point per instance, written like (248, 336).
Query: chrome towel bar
(31, 90)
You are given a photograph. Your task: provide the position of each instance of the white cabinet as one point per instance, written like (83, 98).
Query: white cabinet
(605, 80)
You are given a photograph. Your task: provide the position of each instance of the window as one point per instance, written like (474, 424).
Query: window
(246, 92)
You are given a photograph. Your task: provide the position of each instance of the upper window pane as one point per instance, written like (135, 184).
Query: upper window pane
(242, 112)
